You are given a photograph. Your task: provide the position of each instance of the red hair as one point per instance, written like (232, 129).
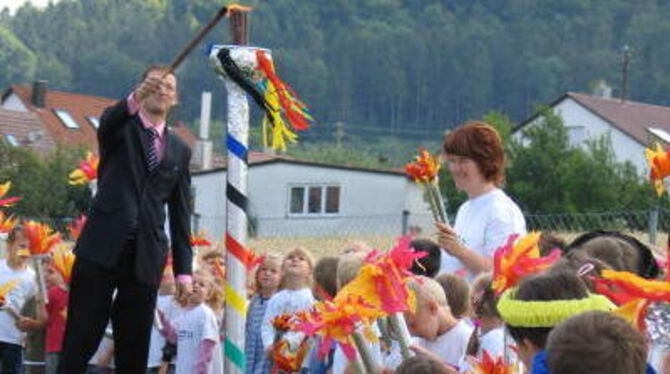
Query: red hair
(480, 142)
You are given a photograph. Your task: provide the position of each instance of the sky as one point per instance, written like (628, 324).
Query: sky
(13, 4)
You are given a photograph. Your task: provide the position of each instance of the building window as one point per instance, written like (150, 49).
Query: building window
(11, 140)
(576, 135)
(66, 118)
(314, 200)
(95, 122)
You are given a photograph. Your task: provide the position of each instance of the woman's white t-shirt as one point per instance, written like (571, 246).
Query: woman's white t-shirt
(192, 327)
(483, 224)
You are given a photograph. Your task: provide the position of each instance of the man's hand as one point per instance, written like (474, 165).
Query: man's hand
(448, 239)
(147, 87)
(184, 289)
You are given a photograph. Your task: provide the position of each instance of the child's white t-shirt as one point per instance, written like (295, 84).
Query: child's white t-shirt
(483, 224)
(16, 299)
(284, 302)
(193, 325)
(167, 305)
(450, 346)
(492, 341)
(340, 361)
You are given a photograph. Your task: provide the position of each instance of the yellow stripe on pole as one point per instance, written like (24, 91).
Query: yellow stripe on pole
(235, 300)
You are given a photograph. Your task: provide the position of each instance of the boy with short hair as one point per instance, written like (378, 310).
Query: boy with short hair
(457, 291)
(596, 343)
(435, 327)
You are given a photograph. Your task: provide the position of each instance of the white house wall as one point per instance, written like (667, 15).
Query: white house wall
(370, 203)
(12, 102)
(625, 147)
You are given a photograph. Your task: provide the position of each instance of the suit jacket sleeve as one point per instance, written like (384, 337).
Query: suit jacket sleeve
(112, 121)
(179, 212)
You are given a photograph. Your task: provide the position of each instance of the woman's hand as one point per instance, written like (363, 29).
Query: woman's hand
(448, 240)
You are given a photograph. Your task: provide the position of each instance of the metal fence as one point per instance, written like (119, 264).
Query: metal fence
(331, 234)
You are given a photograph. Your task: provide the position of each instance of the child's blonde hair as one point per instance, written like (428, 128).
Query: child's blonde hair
(215, 297)
(271, 257)
(348, 268)
(427, 290)
(310, 260)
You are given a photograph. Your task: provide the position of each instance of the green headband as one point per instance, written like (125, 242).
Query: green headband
(520, 313)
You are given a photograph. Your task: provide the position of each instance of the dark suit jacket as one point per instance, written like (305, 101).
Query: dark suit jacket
(131, 200)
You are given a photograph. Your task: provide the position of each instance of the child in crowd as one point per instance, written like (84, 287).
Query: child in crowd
(195, 329)
(102, 361)
(540, 302)
(596, 343)
(167, 305)
(619, 251)
(267, 279)
(433, 324)
(347, 269)
(56, 311)
(325, 288)
(429, 265)
(12, 325)
(295, 294)
(489, 334)
(325, 277)
(457, 291)
(423, 364)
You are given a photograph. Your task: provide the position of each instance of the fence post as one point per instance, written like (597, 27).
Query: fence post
(405, 222)
(653, 224)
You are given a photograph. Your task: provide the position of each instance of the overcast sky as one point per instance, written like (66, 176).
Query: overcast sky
(13, 4)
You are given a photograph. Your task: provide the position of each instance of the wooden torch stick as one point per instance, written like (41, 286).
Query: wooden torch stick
(194, 42)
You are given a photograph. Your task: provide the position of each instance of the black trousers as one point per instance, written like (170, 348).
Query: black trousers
(92, 303)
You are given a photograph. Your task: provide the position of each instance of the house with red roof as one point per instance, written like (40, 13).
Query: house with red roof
(37, 117)
(631, 126)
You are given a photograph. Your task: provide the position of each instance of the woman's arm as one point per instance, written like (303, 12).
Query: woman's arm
(452, 245)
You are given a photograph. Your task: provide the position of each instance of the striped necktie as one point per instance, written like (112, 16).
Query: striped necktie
(152, 153)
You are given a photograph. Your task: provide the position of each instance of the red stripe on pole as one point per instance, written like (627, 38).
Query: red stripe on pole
(237, 249)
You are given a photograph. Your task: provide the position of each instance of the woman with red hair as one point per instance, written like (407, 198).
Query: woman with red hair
(476, 160)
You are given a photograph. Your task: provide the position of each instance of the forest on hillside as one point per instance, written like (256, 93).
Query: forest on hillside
(402, 68)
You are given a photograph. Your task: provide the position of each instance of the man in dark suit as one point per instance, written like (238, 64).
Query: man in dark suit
(123, 248)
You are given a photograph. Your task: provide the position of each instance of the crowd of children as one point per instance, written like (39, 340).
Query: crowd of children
(553, 321)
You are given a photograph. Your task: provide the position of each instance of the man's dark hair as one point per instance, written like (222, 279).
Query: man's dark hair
(596, 343)
(429, 265)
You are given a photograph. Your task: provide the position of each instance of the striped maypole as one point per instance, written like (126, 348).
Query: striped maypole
(237, 255)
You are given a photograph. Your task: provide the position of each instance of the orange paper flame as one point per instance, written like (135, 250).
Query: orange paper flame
(488, 365)
(382, 281)
(659, 167)
(63, 260)
(633, 293)
(41, 238)
(6, 288)
(200, 240)
(87, 171)
(336, 322)
(7, 223)
(517, 259)
(7, 201)
(424, 168)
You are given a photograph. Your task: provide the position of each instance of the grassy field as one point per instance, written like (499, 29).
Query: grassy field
(321, 246)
